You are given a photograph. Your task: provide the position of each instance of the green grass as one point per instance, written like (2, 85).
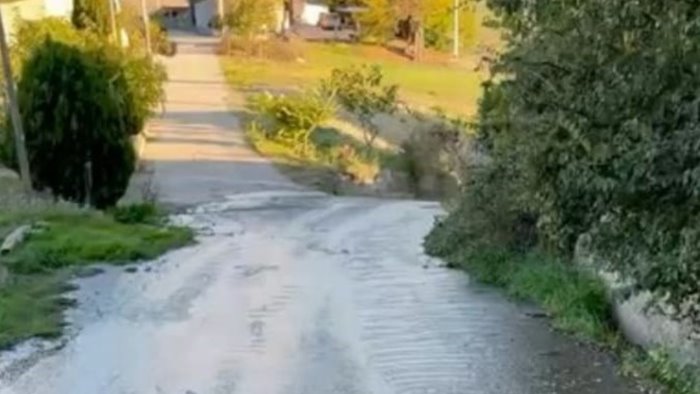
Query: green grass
(30, 307)
(67, 238)
(87, 238)
(578, 304)
(576, 300)
(451, 87)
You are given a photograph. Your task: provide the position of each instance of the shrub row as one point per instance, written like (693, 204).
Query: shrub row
(81, 100)
(591, 125)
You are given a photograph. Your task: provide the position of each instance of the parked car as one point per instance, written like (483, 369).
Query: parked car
(330, 21)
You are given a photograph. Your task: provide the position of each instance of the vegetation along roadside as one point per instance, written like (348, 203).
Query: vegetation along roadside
(584, 147)
(570, 140)
(83, 98)
(63, 242)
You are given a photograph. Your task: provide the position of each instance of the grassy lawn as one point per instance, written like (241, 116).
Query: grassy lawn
(455, 88)
(66, 238)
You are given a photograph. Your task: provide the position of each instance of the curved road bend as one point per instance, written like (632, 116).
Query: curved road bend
(290, 291)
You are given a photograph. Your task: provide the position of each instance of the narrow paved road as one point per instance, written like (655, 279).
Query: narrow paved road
(290, 291)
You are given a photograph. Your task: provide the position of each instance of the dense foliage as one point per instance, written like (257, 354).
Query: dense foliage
(72, 102)
(145, 77)
(81, 101)
(593, 117)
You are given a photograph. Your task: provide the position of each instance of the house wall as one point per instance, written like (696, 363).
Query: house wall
(58, 8)
(204, 11)
(312, 13)
(33, 10)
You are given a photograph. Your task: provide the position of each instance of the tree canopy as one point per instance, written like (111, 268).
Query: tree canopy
(437, 17)
(595, 106)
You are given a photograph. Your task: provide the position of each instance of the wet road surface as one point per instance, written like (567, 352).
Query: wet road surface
(300, 293)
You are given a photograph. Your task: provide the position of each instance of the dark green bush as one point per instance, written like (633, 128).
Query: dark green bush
(146, 213)
(594, 116)
(494, 209)
(73, 104)
(144, 76)
(141, 93)
(487, 215)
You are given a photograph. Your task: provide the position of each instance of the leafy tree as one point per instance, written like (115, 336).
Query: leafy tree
(248, 17)
(72, 103)
(77, 93)
(377, 24)
(32, 34)
(594, 106)
(292, 118)
(439, 23)
(437, 17)
(361, 91)
(145, 77)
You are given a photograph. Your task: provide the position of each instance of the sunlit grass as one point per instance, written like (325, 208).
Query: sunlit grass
(455, 88)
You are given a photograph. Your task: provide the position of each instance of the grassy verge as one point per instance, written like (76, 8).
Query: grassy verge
(64, 239)
(577, 303)
(32, 306)
(330, 157)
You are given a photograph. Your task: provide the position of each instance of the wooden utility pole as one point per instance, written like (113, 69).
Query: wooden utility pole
(455, 49)
(146, 27)
(220, 11)
(113, 22)
(14, 112)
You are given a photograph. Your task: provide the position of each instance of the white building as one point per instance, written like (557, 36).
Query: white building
(33, 10)
(312, 12)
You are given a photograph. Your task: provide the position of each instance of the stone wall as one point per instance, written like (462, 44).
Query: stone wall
(642, 320)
